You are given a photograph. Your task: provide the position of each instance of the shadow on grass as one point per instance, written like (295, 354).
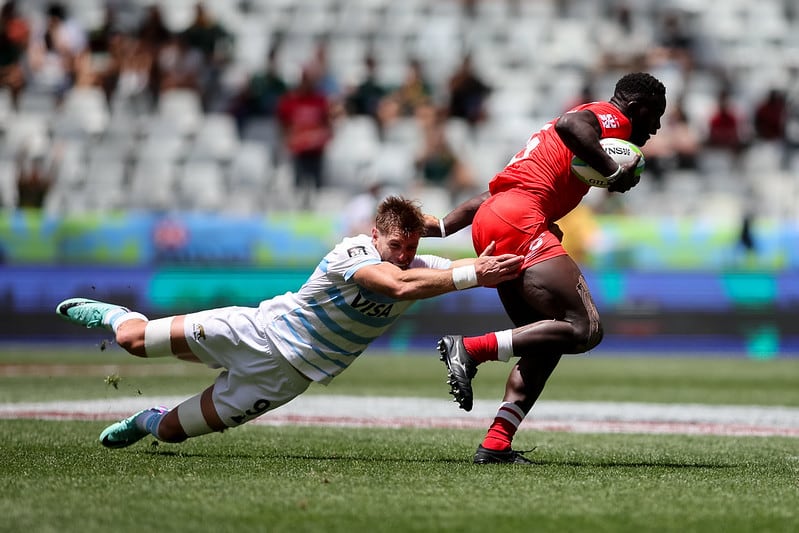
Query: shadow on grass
(631, 464)
(302, 457)
(156, 449)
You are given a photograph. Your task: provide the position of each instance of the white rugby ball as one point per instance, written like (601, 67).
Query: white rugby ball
(619, 150)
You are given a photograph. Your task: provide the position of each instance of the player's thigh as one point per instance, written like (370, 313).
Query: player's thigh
(551, 289)
(256, 386)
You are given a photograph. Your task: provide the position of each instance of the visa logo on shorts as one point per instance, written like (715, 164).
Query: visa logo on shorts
(370, 308)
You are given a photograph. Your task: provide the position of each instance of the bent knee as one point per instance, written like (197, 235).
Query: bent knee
(588, 335)
(595, 338)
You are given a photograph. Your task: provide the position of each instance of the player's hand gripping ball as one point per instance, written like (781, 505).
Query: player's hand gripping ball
(621, 151)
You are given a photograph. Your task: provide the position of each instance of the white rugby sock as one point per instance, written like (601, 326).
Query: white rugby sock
(504, 345)
(115, 318)
(191, 417)
(149, 420)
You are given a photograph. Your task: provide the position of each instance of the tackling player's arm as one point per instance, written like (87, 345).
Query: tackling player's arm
(580, 132)
(418, 283)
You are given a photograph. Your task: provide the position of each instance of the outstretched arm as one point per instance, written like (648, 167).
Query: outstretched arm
(455, 220)
(418, 283)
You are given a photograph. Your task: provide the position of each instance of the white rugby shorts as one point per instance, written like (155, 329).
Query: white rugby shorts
(256, 378)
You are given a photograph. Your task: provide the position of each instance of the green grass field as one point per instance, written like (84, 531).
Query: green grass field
(56, 477)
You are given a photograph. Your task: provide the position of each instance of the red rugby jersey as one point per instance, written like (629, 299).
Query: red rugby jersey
(543, 166)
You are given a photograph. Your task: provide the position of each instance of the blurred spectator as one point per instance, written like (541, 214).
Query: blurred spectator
(365, 98)
(469, 8)
(215, 44)
(179, 66)
(770, 116)
(389, 113)
(675, 147)
(585, 96)
(208, 36)
(659, 156)
(260, 95)
(53, 52)
(304, 117)
(685, 139)
(359, 213)
(467, 93)
(437, 163)
(152, 36)
(152, 31)
(623, 41)
(747, 237)
(133, 61)
(726, 129)
(414, 90)
(99, 37)
(36, 172)
(770, 123)
(319, 67)
(675, 45)
(14, 37)
(98, 64)
(791, 127)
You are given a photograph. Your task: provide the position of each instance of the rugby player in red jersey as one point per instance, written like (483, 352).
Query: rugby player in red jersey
(549, 303)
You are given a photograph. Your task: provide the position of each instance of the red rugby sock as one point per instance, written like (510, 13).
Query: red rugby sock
(503, 428)
(483, 348)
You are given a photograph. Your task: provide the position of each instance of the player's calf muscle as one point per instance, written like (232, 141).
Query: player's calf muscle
(130, 337)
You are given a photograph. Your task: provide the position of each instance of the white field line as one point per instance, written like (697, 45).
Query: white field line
(367, 411)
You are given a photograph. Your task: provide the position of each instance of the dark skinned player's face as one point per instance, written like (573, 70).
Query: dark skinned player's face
(645, 119)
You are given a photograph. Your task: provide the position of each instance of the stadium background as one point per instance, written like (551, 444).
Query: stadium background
(127, 220)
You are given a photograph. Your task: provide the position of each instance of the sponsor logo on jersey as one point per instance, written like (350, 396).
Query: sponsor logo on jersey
(369, 308)
(534, 247)
(608, 120)
(198, 331)
(356, 250)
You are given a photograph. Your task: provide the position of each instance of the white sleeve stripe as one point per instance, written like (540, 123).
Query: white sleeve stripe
(355, 268)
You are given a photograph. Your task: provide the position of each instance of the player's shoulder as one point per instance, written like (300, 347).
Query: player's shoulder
(600, 104)
(597, 107)
(609, 116)
(356, 246)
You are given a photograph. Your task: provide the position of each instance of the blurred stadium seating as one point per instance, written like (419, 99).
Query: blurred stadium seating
(536, 54)
(141, 187)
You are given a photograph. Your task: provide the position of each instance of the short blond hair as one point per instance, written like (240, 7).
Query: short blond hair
(399, 214)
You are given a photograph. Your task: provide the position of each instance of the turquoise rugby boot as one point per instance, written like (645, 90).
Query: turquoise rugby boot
(126, 432)
(89, 313)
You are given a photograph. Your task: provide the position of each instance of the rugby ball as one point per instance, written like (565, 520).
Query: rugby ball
(619, 150)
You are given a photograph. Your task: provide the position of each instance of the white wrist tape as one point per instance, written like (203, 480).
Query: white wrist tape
(443, 229)
(464, 277)
(615, 175)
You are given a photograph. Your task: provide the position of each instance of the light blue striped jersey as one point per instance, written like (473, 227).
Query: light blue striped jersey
(330, 320)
